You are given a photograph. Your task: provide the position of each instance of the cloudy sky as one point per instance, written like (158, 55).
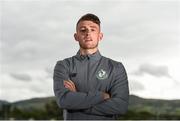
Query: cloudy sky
(143, 34)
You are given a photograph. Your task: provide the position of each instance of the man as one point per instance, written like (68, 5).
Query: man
(89, 85)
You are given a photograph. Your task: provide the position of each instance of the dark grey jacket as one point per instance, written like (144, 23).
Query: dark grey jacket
(92, 75)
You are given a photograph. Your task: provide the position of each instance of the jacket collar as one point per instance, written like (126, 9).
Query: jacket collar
(94, 56)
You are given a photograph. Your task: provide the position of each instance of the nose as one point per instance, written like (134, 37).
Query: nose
(87, 32)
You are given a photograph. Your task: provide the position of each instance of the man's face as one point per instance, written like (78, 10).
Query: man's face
(88, 34)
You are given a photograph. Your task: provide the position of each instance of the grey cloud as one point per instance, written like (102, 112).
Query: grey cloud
(154, 70)
(21, 77)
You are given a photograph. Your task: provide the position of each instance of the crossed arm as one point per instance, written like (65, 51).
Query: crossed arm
(72, 87)
(92, 102)
(66, 95)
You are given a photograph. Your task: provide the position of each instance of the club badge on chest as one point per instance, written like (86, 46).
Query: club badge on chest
(102, 74)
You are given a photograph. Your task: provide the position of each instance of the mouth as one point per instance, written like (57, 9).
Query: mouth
(88, 39)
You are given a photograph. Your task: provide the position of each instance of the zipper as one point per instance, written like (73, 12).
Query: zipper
(88, 73)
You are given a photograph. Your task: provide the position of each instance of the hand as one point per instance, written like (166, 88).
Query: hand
(70, 85)
(106, 96)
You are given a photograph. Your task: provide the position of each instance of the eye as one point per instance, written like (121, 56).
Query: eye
(92, 30)
(83, 30)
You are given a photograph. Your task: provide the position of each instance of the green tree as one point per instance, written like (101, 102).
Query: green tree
(53, 111)
(6, 111)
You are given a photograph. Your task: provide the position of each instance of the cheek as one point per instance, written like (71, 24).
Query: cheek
(78, 38)
(98, 38)
(81, 36)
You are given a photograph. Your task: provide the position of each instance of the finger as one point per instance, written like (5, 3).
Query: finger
(65, 81)
(69, 84)
(69, 87)
(74, 86)
(66, 86)
(69, 81)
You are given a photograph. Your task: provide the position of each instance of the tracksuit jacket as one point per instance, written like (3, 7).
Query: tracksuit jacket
(92, 75)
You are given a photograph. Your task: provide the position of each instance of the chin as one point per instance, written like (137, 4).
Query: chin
(88, 46)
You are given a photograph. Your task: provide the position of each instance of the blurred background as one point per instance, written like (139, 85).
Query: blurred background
(142, 34)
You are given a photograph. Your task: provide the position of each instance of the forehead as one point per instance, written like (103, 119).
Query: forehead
(87, 23)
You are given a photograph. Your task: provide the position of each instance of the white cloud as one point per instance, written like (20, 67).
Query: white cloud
(135, 86)
(157, 87)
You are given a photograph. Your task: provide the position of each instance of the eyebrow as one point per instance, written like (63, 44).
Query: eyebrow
(94, 26)
(90, 26)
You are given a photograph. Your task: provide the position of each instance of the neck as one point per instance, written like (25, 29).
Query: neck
(88, 51)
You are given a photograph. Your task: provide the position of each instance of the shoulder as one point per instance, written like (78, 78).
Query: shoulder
(112, 62)
(117, 66)
(65, 62)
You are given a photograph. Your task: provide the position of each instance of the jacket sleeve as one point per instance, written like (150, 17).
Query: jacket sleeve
(119, 91)
(71, 100)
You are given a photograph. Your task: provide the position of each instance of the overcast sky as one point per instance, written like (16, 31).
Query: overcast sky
(142, 34)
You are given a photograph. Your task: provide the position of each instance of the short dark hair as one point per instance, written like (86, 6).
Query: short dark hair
(89, 17)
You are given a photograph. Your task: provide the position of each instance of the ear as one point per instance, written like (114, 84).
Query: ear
(100, 36)
(75, 36)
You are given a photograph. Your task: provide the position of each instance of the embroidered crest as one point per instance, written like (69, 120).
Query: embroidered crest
(101, 74)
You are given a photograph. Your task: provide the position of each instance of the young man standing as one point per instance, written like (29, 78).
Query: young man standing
(89, 85)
